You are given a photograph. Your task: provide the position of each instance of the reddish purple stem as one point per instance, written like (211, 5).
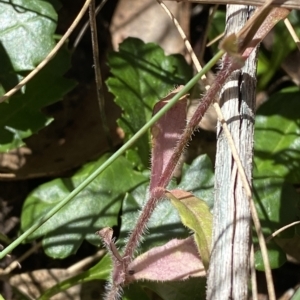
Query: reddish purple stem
(158, 193)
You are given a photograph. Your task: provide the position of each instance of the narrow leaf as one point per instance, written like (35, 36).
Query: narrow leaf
(166, 134)
(254, 31)
(268, 19)
(195, 215)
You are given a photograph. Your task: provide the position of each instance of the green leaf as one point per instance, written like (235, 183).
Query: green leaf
(276, 255)
(296, 296)
(277, 137)
(195, 214)
(135, 292)
(142, 75)
(22, 116)
(95, 207)
(277, 204)
(202, 184)
(26, 32)
(100, 271)
(165, 223)
(216, 28)
(291, 246)
(193, 288)
(270, 61)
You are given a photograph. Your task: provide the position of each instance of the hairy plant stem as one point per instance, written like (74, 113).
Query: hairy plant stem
(228, 66)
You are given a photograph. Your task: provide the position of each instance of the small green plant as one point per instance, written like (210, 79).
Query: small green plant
(66, 211)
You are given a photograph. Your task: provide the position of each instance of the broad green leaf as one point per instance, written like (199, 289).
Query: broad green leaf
(100, 271)
(277, 204)
(277, 154)
(26, 32)
(193, 288)
(22, 116)
(135, 292)
(198, 178)
(277, 257)
(195, 214)
(277, 137)
(97, 206)
(142, 75)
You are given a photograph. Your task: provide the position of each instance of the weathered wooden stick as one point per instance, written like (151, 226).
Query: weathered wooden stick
(291, 4)
(229, 264)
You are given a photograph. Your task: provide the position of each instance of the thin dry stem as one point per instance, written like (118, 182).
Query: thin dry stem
(80, 265)
(212, 12)
(217, 38)
(49, 56)
(183, 36)
(281, 230)
(291, 4)
(292, 32)
(86, 25)
(158, 193)
(98, 76)
(16, 263)
(253, 274)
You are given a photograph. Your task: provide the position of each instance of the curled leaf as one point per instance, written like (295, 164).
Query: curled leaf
(195, 214)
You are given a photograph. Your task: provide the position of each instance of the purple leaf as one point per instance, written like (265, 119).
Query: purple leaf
(176, 260)
(165, 134)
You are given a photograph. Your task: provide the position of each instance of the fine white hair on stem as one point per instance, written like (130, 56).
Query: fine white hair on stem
(237, 160)
(112, 292)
